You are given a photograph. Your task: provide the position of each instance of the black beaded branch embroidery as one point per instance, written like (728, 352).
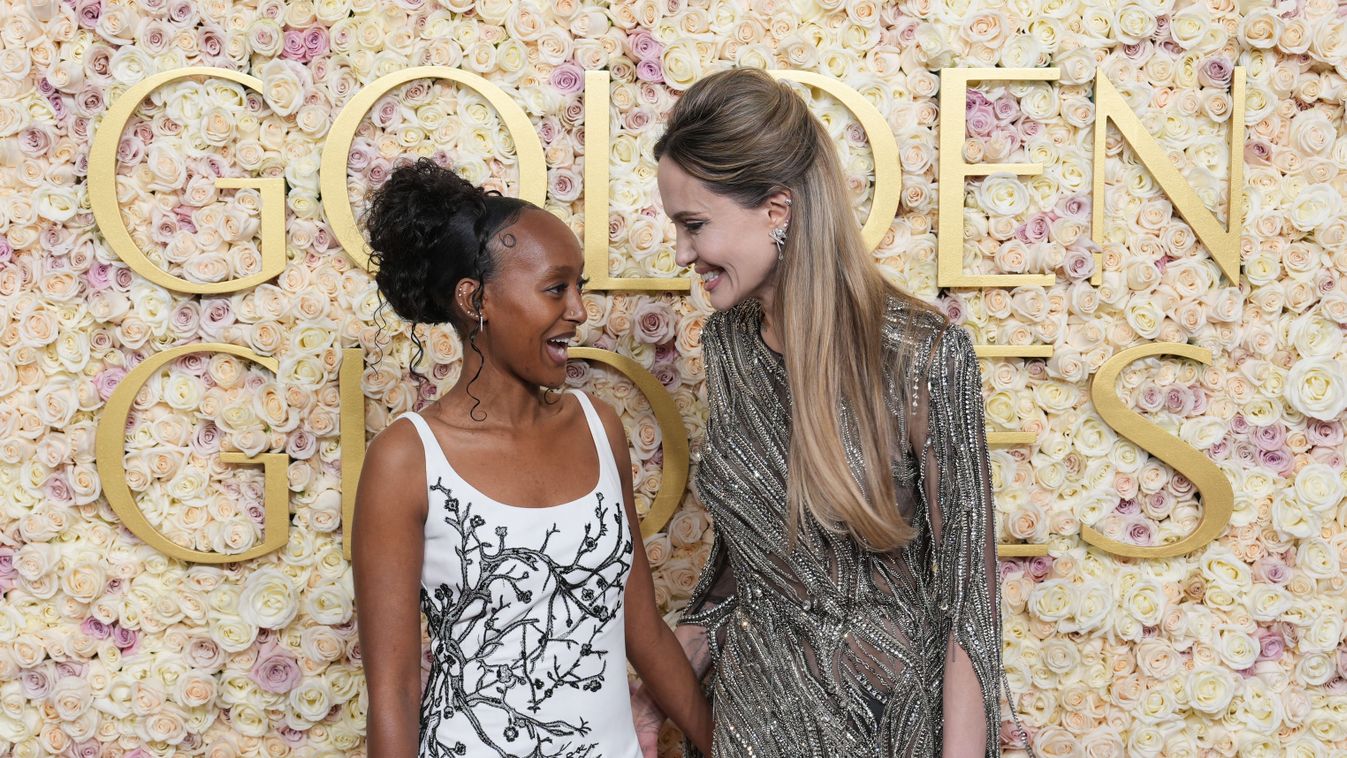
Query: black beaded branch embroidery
(556, 645)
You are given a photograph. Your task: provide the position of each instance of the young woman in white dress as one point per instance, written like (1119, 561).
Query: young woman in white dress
(502, 511)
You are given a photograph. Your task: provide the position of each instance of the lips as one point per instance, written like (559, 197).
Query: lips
(555, 347)
(710, 277)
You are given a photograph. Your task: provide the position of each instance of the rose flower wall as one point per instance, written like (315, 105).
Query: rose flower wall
(108, 646)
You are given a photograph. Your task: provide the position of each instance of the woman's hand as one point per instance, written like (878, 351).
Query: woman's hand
(648, 720)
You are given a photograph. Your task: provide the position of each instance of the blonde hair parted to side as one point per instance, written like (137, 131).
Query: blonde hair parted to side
(747, 136)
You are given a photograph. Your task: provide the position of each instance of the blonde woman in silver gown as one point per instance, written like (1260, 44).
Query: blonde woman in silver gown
(849, 607)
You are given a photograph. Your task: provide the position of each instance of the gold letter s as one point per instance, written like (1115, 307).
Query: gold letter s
(1218, 499)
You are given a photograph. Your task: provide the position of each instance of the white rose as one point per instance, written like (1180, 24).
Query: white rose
(55, 203)
(329, 603)
(1002, 195)
(1209, 690)
(284, 85)
(1319, 487)
(1268, 601)
(1052, 600)
(1316, 337)
(1313, 206)
(1322, 635)
(269, 599)
(682, 65)
(1146, 602)
(312, 699)
(1236, 648)
(1316, 387)
(1292, 518)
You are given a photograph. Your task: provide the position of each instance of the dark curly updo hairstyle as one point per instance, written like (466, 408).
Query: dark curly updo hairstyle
(428, 230)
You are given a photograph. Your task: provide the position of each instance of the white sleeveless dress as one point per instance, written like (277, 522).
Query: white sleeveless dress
(525, 605)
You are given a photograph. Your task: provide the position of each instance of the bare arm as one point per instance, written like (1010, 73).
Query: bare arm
(387, 546)
(651, 645)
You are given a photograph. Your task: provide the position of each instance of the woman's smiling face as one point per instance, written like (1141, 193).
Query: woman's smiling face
(533, 304)
(728, 245)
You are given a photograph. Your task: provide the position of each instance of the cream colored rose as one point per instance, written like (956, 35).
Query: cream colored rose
(1003, 195)
(1323, 633)
(1237, 648)
(1052, 600)
(268, 600)
(1267, 602)
(1209, 690)
(682, 65)
(71, 698)
(329, 603)
(1314, 206)
(1317, 387)
(311, 699)
(1260, 28)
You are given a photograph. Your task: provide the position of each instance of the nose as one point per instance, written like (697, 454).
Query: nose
(684, 255)
(575, 307)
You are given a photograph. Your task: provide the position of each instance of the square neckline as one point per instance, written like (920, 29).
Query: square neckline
(591, 417)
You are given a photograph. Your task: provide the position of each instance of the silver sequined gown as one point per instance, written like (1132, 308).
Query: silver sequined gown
(830, 650)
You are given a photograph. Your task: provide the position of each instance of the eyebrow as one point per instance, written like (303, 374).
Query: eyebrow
(683, 216)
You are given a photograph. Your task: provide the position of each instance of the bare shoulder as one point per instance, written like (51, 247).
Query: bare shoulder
(394, 458)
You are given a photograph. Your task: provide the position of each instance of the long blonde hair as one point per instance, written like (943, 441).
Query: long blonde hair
(747, 136)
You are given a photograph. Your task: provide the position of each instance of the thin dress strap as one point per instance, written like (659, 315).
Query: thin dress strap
(428, 441)
(607, 461)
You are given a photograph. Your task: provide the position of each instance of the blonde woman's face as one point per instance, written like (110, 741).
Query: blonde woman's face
(729, 246)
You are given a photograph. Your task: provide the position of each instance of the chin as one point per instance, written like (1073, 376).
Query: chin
(552, 380)
(723, 299)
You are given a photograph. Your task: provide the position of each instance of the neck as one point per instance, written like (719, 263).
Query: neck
(771, 328)
(505, 399)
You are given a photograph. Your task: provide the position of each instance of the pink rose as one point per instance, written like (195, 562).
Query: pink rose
(1035, 229)
(1270, 437)
(1039, 567)
(568, 78)
(654, 323)
(980, 119)
(1279, 461)
(95, 628)
(35, 684)
(650, 70)
(315, 41)
(275, 670)
(125, 639)
(1271, 645)
(1078, 265)
(643, 45)
(1141, 532)
(1325, 433)
(106, 381)
(88, 13)
(1215, 72)
(1271, 569)
(1076, 206)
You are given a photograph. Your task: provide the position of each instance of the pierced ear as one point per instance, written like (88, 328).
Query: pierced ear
(464, 293)
(778, 207)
